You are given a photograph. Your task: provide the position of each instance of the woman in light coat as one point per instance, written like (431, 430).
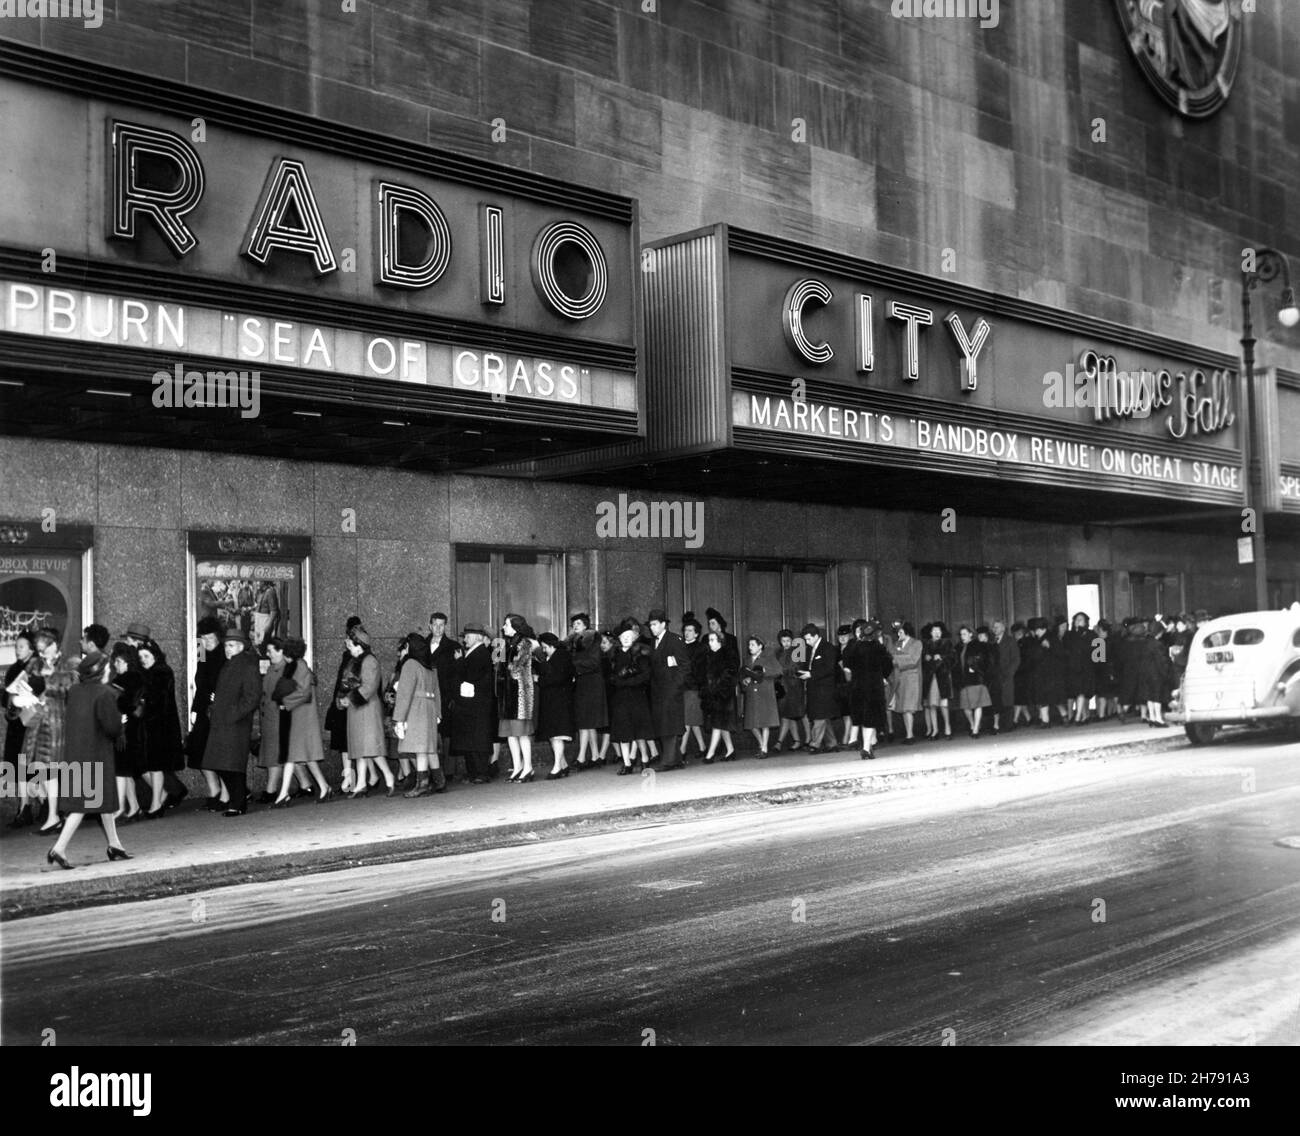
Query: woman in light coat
(758, 681)
(907, 677)
(299, 720)
(417, 710)
(363, 681)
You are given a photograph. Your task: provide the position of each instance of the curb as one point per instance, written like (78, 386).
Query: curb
(46, 898)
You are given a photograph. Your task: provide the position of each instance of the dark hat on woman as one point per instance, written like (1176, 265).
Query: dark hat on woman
(1038, 623)
(294, 648)
(582, 615)
(353, 621)
(627, 624)
(417, 648)
(844, 629)
(233, 634)
(125, 651)
(714, 613)
(689, 620)
(209, 625)
(549, 639)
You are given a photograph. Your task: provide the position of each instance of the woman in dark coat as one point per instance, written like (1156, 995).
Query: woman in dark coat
(233, 715)
(970, 676)
(993, 673)
(869, 666)
(692, 682)
(590, 710)
(937, 663)
(1080, 674)
(629, 708)
(92, 723)
(790, 704)
(163, 747)
(1048, 670)
(336, 717)
(1024, 695)
(843, 636)
(474, 723)
(555, 699)
(718, 695)
(1103, 671)
(129, 683)
(15, 728)
(608, 645)
(1180, 646)
(211, 659)
(1151, 663)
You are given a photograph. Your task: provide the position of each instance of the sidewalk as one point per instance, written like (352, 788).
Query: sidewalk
(194, 850)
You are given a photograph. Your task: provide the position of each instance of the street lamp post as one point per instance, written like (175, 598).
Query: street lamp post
(1268, 264)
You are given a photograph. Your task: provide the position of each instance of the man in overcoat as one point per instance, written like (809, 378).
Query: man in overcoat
(474, 725)
(442, 658)
(668, 664)
(232, 719)
(819, 674)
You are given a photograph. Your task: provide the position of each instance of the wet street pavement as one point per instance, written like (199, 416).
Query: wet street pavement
(1144, 900)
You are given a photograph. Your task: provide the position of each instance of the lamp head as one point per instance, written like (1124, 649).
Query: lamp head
(1288, 315)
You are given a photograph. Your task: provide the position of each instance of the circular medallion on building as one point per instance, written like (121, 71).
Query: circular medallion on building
(1189, 49)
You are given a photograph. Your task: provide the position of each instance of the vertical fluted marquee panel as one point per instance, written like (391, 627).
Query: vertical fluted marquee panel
(687, 387)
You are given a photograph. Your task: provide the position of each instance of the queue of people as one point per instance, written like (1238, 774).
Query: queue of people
(459, 709)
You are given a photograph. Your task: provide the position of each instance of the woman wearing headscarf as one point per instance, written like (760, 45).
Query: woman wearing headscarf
(554, 701)
(790, 698)
(758, 681)
(518, 695)
(417, 711)
(907, 677)
(629, 708)
(973, 665)
(50, 678)
(211, 659)
(298, 729)
(363, 681)
(718, 696)
(336, 717)
(15, 726)
(163, 746)
(849, 732)
(92, 723)
(1080, 674)
(692, 682)
(590, 710)
(868, 666)
(937, 664)
(128, 681)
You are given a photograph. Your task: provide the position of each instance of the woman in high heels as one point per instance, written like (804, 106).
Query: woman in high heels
(718, 696)
(92, 723)
(629, 707)
(51, 677)
(366, 741)
(555, 697)
(518, 695)
(127, 680)
(163, 747)
(298, 706)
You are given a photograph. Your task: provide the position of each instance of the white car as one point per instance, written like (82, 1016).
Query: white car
(1241, 669)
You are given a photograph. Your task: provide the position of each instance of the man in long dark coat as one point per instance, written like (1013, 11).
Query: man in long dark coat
(819, 674)
(234, 712)
(205, 687)
(442, 658)
(668, 664)
(474, 725)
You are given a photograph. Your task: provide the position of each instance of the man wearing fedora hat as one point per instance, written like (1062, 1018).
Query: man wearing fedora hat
(233, 717)
(474, 724)
(667, 699)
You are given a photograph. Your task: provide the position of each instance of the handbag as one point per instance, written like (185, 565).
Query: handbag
(780, 689)
(283, 688)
